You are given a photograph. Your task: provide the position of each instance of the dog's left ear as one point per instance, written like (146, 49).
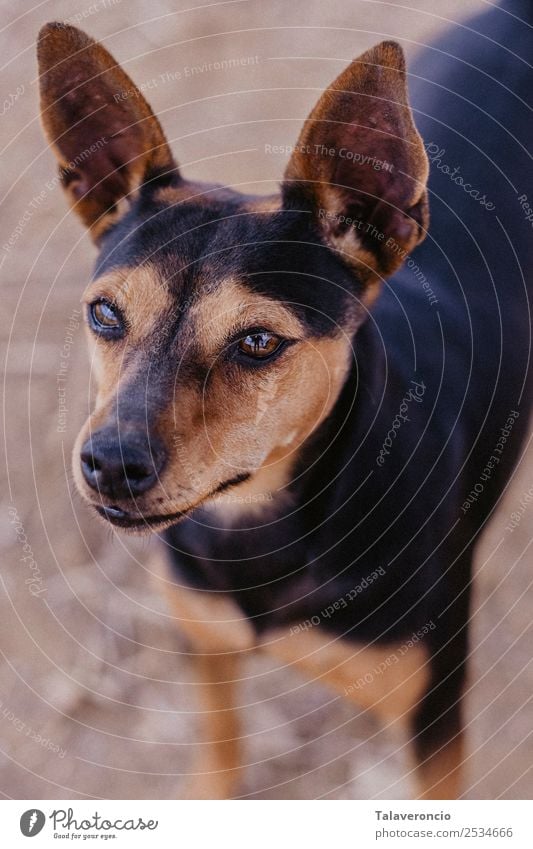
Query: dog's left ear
(360, 166)
(103, 132)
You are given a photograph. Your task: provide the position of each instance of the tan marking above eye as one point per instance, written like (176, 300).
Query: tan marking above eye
(232, 308)
(140, 293)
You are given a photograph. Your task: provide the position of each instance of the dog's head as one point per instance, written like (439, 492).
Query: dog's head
(222, 324)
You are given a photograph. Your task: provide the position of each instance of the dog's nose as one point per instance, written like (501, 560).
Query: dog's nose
(121, 466)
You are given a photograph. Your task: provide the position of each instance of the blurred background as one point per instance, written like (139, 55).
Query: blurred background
(96, 689)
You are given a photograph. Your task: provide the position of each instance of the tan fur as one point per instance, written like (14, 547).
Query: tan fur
(268, 204)
(341, 664)
(217, 769)
(172, 195)
(142, 296)
(203, 193)
(440, 776)
(288, 407)
(255, 497)
(145, 301)
(232, 306)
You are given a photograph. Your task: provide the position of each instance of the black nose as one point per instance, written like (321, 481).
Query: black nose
(121, 465)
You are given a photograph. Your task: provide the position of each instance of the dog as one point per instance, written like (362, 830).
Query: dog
(316, 423)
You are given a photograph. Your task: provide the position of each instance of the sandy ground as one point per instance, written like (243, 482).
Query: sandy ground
(97, 692)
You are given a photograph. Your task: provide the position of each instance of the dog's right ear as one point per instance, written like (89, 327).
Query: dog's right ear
(361, 168)
(105, 136)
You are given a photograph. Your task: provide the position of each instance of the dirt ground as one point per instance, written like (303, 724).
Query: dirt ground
(97, 692)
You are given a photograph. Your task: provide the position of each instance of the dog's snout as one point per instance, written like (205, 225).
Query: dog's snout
(121, 466)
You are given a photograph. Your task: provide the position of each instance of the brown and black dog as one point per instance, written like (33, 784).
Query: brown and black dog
(306, 437)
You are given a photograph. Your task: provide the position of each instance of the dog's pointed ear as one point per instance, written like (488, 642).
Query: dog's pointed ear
(103, 132)
(360, 166)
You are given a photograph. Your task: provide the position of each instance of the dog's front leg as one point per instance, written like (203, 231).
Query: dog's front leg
(217, 770)
(220, 637)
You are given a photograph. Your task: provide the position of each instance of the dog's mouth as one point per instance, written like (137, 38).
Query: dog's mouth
(130, 521)
(136, 520)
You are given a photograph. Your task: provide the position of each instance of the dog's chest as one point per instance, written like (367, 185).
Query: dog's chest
(267, 569)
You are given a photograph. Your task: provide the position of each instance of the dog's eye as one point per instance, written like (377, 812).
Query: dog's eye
(259, 345)
(105, 318)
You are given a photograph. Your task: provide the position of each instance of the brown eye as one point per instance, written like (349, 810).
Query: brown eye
(105, 318)
(259, 345)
